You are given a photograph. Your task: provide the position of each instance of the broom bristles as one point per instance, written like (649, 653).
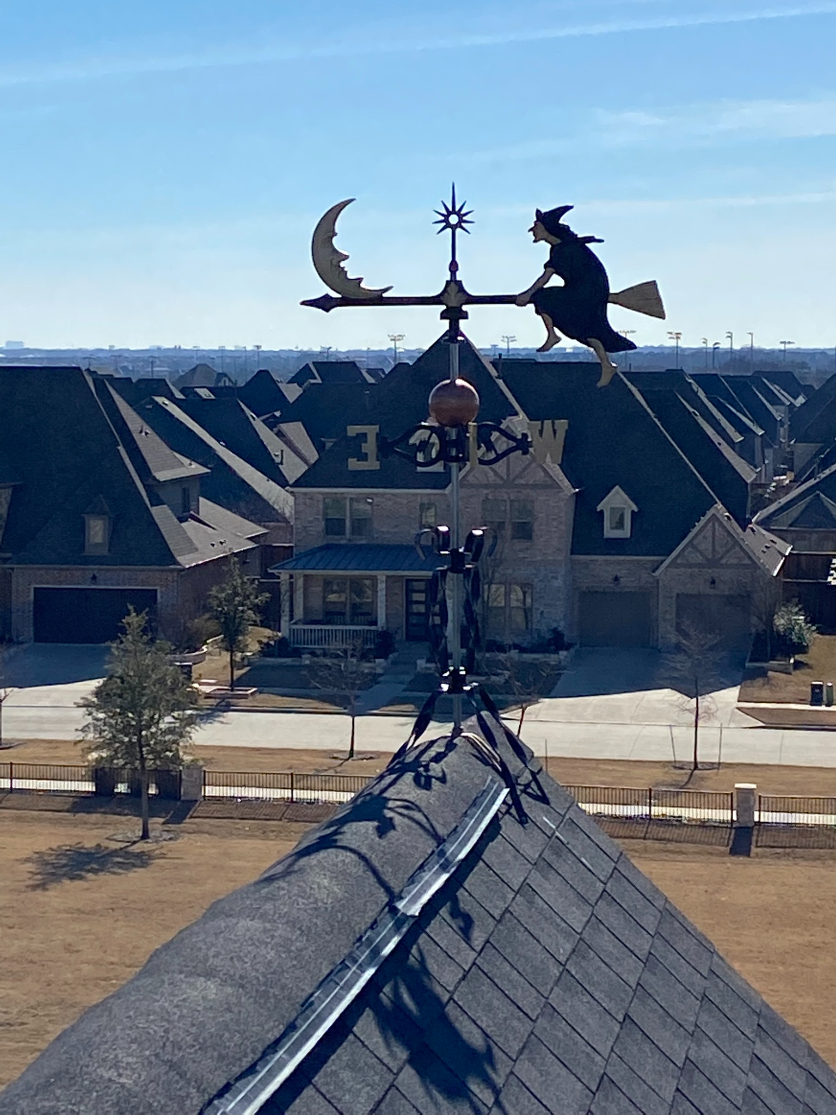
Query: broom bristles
(644, 298)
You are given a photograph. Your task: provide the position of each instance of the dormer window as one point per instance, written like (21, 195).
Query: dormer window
(618, 510)
(96, 534)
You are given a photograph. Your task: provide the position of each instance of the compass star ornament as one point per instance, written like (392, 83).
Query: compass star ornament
(453, 219)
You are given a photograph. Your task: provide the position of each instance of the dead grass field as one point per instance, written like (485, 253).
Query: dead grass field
(818, 664)
(82, 912)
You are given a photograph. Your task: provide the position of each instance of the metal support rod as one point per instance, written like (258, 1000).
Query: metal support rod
(454, 580)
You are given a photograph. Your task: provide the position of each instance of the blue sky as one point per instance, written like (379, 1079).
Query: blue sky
(164, 163)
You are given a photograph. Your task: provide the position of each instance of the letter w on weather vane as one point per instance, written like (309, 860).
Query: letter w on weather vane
(577, 308)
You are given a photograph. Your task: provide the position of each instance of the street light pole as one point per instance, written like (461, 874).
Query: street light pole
(508, 342)
(730, 339)
(785, 345)
(714, 348)
(676, 338)
(395, 338)
(751, 351)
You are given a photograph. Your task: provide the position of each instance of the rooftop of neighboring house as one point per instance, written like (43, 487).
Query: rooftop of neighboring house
(448, 942)
(118, 469)
(264, 394)
(613, 439)
(809, 506)
(332, 372)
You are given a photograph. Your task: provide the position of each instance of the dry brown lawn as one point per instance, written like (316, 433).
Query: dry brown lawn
(819, 664)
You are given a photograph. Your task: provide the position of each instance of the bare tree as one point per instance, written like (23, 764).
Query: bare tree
(766, 597)
(4, 689)
(694, 669)
(345, 676)
(526, 680)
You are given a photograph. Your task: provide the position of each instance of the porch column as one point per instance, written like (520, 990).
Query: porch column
(284, 579)
(299, 598)
(381, 600)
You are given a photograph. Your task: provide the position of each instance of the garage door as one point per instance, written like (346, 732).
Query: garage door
(727, 615)
(615, 619)
(87, 615)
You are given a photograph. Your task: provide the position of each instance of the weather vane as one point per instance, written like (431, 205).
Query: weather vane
(577, 309)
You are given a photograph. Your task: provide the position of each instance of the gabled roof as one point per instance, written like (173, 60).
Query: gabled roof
(722, 538)
(233, 425)
(688, 390)
(331, 372)
(613, 438)
(806, 507)
(232, 482)
(788, 381)
(203, 375)
(264, 394)
(815, 404)
(741, 393)
(72, 445)
(430, 949)
(820, 428)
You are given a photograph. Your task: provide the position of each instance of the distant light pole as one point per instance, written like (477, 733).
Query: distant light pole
(714, 348)
(222, 350)
(494, 350)
(676, 338)
(705, 347)
(508, 341)
(325, 351)
(785, 345)
(730, 339)
(396, 338)
(751, 351)
(258, 349)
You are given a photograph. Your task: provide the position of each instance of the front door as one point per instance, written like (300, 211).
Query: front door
(417, 610)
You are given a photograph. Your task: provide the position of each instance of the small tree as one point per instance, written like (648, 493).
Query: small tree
(344, 675)
(794, 630)
(234, 604)
(526, 680)
(694, 670)
(142, 715)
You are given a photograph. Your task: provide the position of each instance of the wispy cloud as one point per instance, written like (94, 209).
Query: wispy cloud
(757, 119)
(366, 44)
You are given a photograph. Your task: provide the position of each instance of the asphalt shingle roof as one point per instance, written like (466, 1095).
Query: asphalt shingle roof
(547, 976)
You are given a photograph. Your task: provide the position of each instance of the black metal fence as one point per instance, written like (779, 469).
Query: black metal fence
(287, 786)
(702, 807)
(790, 821)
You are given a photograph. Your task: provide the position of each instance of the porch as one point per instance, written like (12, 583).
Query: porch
(341, 595)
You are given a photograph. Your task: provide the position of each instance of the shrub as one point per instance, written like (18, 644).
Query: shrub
(794, 630)
(384, 644)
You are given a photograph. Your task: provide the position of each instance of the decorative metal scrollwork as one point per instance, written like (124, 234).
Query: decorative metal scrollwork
(426, 444)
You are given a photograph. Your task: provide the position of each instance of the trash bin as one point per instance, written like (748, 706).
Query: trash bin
(816, 692)
(828, 694)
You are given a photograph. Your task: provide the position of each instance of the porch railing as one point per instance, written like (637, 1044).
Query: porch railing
(312, 636)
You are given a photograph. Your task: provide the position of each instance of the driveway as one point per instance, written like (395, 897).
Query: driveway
(39, 664)
(610, 685)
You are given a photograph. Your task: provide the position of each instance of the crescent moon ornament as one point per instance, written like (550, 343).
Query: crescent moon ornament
(328, 260)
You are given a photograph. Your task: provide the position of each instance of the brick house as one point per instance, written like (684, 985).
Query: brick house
(98, 514)
(628, 517)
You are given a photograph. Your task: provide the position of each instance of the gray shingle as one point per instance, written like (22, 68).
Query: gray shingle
(712, 1061)
(506, 976)
(570, 1048)
(558, 894)
(395, 1103)
(686, 944)
(574, 870)
(701, 1092)
(672, 1038)
(451, 940)
(773, 1092)
(612, 949)
(610, 1100)
(467, 917)
(311, 1102)
(723, 1031)
(585, 1014)
(353, 1079)
(490, 1008)
(660, 983)
(817, 1098)
(488, 889)
(608, 988)
(525, 953)
(503, 858)
(388, 1032)
(433, 1089)
(641, 882)
(623, 926)
(574, 833)
(792, 1074)
(634, 902)
(544, 923)
(430, 956)
(517, 1100)
(528, 839)
(463, 1046)
(738, 1010)
(635, 1088)
(646, 1059)
(676, 963)
(550, 1080)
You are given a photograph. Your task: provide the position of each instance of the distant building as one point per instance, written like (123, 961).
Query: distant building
(15, 344)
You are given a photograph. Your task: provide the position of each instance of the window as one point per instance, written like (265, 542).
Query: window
(427, 516)
(333, 512)
(185, 501)
(522, 520)
(348, 600)
(510, 610)
(493, 515)
(519, 609)
(618, 510)
(347, 518)
(361, 516)
(96, 534)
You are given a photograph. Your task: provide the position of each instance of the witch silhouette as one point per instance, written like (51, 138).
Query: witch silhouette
(578, 309)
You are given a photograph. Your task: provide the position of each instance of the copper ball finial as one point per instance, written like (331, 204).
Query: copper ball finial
(453, 403)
